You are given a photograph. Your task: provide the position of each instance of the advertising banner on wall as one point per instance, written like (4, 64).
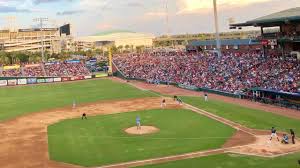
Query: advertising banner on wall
(78, 77)
(190, 87)
(12, 82)
(41, 80)
(11, 67)
(49, 80)
(31, 80)
(57, 79)
(63, 79)
(22, 81)
(32, 65)
(101, 75)
(88, 77)
(3, 82)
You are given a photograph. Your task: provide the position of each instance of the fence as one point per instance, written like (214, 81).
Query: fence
(13, 81)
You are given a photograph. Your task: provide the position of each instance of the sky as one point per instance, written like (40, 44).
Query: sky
(149, 16)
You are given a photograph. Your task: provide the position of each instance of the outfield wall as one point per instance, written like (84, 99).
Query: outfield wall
(14, 81)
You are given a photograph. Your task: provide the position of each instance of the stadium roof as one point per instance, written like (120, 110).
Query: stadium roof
(223, 42)
(275, 19)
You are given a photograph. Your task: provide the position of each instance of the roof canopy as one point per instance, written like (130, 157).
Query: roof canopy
(275, 19)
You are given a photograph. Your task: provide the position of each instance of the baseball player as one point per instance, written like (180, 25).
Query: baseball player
(293, 135)
(179, 101)
(285, 139)
(138, 122)
(273, 134)
(74, 104)
(163, 103)
(205, 97)
(84, 116)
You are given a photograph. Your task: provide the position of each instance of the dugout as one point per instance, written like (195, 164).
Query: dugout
(284, 99)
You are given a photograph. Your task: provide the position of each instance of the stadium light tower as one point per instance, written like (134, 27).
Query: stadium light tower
(41, 22)
(167, 18)
(217, 29)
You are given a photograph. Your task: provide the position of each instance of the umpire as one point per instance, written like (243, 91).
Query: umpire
(293, 135)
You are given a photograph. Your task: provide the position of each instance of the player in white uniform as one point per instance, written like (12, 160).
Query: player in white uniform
(205, 97)
(273, 134)
(163, 103)
(74, 104)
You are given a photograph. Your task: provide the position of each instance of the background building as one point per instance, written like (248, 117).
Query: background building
(33, 39)
(116, 38)
(184, 39)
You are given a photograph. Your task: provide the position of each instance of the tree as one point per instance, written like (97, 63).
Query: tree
(3, 58)
(140, 48)
(114, 49)
(35, 57)
(89, 53)
(120, 48)
(22, 57)
(127, 47)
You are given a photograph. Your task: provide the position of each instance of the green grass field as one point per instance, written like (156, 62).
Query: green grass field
(101, 140)
(16, 101)
(233, 161)
(248, 117)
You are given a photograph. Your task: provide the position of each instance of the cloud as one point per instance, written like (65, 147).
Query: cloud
(70, 12)
(135, 4)
(10, 9)
(197, 6)
(104, 26)
(36, 2)
(156, 14)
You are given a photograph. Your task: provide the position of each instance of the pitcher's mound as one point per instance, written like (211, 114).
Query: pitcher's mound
(142, 131)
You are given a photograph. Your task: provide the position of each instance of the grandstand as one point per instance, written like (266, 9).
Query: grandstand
(70, 68)
(283, 42)
(227, 45)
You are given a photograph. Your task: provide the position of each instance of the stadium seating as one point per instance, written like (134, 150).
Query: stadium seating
(234, 72)
(56, 69)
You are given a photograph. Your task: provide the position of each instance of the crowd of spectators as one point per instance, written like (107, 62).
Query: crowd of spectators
(66, 69)
(33, 71)
(233, 72)
(12, 72)
(54, 69)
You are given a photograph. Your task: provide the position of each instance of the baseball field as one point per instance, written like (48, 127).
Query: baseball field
(40, 128)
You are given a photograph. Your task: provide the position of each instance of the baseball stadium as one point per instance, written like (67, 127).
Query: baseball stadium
(229, 105)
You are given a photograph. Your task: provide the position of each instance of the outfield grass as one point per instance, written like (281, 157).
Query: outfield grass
(20, 100)
(101, 140)
(248, 117)
(233, 161)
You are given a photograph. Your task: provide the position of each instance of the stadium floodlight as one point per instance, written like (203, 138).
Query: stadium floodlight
(41, 21)
(217, 29)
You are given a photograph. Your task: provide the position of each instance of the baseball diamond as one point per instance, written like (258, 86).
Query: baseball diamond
(155, 96)
(196, 129)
